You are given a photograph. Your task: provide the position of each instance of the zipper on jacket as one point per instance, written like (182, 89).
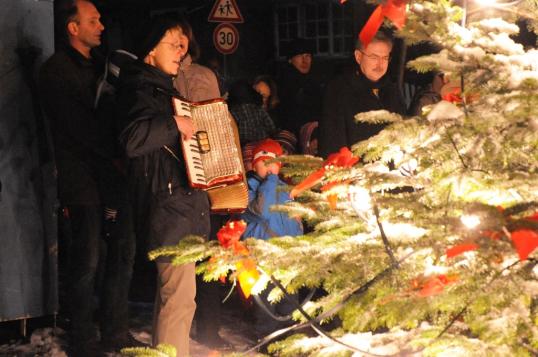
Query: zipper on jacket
(170, 188)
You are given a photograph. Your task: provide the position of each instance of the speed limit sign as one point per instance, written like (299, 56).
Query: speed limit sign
(226, 38)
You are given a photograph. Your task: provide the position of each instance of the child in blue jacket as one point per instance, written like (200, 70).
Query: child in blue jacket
(264, 191)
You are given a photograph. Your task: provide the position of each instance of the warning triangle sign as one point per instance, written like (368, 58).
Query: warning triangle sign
(225, 11)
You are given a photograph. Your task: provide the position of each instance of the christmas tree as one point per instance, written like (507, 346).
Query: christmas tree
(426, 244)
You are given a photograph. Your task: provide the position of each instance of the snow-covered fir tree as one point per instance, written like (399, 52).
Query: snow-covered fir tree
(425, 246)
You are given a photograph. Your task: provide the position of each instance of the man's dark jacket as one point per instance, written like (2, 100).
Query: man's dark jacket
(157, 176)
(347, 95)
(67, 84)
(301, 97)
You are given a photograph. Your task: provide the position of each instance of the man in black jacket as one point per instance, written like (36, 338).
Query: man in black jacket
(300, 91)
(365, 88)
(83, 154)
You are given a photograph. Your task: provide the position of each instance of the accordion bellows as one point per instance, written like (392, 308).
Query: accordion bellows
(213, 154)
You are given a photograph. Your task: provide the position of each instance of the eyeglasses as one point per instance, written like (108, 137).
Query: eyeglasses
(174, 46)
(376, 58)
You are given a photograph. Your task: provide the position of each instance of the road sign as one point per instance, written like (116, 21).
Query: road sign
(225, 11)
(226, 38)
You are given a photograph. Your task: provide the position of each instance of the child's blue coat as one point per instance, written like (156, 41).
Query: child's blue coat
(262, 223)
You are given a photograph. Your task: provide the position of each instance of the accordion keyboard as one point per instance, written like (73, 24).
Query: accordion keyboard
(194, 156)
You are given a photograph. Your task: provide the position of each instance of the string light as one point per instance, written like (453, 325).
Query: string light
(360, 199)
(486, 2)
(470, 221)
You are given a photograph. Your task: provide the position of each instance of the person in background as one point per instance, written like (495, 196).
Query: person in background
(366, 88)
(194, 82)
(84, 159)
(431, 94)
(214, 64)
(252, 120)
(287, 141)
(309, 138)
(150, 137)
(300, 90)
(265, 189)
(198, 83)
(266, 87)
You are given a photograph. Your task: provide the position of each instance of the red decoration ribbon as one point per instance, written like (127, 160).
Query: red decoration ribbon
(534, 217)
(333, 201)
(343, 158)
(394, 10)
(525, 241)
(230, 233)
(454, 96)
(433, 285)
(460, 249)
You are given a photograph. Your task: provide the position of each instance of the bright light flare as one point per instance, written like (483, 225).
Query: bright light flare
(360, 199)
(486, 3)
(470, 221)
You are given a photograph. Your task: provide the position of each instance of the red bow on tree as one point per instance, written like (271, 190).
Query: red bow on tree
(343, 158)
(432, 285)
(460, 249)
(393, 10)
(230, 234)
(525, 241)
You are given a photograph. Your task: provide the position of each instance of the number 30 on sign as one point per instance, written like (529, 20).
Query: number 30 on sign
(226, 38)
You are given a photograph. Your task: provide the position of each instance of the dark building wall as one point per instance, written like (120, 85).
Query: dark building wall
(256, 52)
(28, 247)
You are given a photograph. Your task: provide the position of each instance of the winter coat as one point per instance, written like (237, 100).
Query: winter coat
(83, 151)
(423, 98)
(262, 223)
(253, 122)
(347, 95)
(157, 170)
(195, 82)
(301, 97)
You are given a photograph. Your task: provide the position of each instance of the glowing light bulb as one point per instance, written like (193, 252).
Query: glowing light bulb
(486, 3)
(470, 221)
(360, 199)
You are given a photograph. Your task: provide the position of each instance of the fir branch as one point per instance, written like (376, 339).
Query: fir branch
(378, 117)
(386, 242)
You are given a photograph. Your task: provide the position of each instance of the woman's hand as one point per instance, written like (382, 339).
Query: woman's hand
(186, 126)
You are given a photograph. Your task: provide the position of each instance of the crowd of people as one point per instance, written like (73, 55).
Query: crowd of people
(121, 173)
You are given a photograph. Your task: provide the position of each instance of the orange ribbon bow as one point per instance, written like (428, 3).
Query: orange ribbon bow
(393, 10)
(432, 285)
(343, 158)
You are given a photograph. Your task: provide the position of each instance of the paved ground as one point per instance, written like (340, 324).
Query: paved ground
(44, 340)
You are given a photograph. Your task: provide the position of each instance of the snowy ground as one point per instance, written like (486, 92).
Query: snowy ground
(51, 342)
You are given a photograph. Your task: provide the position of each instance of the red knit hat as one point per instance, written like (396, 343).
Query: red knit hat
(266, 149)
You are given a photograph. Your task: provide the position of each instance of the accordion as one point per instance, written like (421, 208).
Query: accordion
(213, 154)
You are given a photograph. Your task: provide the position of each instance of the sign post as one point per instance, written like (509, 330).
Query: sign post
(226, 38)
(225, 35)
(225, 11)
